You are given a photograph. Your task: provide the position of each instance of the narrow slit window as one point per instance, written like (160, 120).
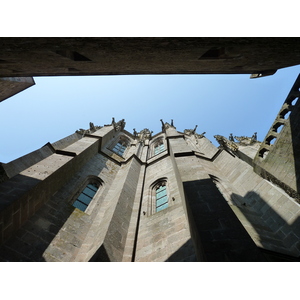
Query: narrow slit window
(86, 196)
(161, 198)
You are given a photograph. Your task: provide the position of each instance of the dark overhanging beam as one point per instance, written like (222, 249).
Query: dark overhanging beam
(27, 57)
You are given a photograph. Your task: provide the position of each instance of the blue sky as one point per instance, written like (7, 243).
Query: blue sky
(56, 107)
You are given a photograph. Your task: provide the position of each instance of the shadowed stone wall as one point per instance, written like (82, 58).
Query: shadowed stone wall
(278, 158)
(107, 56)
(219, 209)
(10, 86)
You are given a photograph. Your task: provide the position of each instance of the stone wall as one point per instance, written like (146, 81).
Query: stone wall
(267, 212)
(164, 235)
(219, 209)
(278, 158)
(10, 86)
(106, 56)
(25, 193)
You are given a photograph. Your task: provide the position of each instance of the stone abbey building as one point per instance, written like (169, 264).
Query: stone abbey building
(105, 194)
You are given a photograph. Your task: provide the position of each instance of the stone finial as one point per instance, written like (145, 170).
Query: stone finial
(195, 129)
(144, 135)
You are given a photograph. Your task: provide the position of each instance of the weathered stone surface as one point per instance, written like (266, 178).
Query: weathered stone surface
(218, 208)
(106, 56)
(10, 86)
(281, 163)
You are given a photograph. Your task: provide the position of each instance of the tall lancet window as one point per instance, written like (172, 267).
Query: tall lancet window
(161, 196)
(86, 196)
(159, 147)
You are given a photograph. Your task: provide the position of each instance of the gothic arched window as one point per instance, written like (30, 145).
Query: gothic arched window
(158, 196)
(86, 196)
(120, 146)
(157, 147)
(161, 197)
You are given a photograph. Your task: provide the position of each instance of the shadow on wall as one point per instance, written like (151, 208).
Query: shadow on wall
(29, 243)
(267, 226)
(100, 255)
(295, 131)
(184, 254)
(32, 241)
(217, 233)
(278, 159)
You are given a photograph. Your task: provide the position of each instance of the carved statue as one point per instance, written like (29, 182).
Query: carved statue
(231, 137)
(92, 129)
(242, 139)
(144, 135)
(167, 125)
(82, 131)
(189, 132)
(224, 143)
(245, 141)
(134, 132)
(162, 124)
(119, 125)
(200, 136)
(254, 137)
